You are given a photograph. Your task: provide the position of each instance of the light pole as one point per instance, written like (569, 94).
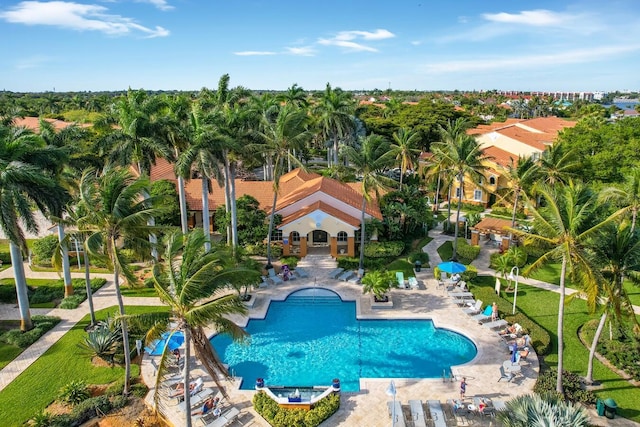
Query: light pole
(391, 391)
(512, 277)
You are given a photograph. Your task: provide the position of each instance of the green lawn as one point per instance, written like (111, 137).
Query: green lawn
(402, 265)
(35, 388)
(446, 252)
(34, 282)
(138, 292)
(74, 269)
(542, 307)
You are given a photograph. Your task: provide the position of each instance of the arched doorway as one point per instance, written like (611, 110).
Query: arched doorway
(319, 238)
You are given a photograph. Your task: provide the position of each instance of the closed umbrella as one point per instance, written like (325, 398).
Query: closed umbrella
(452, 267)
(497, 286)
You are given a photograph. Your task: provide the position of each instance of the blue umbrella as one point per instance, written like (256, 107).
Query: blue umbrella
(452, 267)
(171, 340)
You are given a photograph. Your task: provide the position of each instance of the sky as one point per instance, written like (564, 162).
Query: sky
(95, 45)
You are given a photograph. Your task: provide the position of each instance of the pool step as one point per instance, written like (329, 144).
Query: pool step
(319, 300)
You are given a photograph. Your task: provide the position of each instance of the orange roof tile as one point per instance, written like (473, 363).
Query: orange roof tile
(548, 124)
(500, 156)
(482, 129)
(532, 139)
(324, 207)
(33, 123)
(493, 225)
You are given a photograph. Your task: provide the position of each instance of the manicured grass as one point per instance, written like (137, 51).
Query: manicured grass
(35, 388)
(446, 252)
(419, 244)
(542, 307)
(138, 292)
(633, 291)
(402, 265)
(35, 282)
(74, 269)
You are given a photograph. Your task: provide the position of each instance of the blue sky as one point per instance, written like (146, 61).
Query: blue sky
(92, 45)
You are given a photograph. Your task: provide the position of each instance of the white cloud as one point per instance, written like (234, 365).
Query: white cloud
(527, 62)
(347, 45)
(379, 34)
(537, 18)
(301, 51)
(76, 16)
(346, 39)
(254, 53)
(160, 4)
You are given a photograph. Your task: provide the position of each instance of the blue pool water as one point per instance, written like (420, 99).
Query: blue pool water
(314, 336)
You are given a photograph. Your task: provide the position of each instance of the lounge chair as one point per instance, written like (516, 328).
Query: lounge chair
(484, 316)
(472, 311)
(225, 418)
(496, 324)
(399, 420)
(437, 414)
(333, 274)
(301, 272)
(275, 279)
(417, 413)
(400, 279)
(413, 282)
(499, 405)
(504, 375)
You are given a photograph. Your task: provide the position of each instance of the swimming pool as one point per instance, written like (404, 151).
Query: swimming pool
(313, 337)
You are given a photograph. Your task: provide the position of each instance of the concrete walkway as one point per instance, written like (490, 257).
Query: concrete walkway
(103, 298)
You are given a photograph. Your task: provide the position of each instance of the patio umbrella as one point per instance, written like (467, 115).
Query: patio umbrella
(452, 267)
(171, 340)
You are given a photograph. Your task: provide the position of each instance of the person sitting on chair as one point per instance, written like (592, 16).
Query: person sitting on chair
(524, 353)
(208, 405)
(455, 278)
(179, 389)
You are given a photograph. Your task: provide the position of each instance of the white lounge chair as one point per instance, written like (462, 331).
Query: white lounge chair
(400, 279)
(333, 274)
(484, 316)
(475, 309)
(417, 413)
(399, 420)
(275, 279)
(437, 414)
(413, 282)
(225, 418)
(496, 324)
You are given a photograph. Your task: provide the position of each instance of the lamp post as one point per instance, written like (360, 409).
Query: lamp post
(391, 391)
(512, 277)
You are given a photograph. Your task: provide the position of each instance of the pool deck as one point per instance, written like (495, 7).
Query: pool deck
(368, 407)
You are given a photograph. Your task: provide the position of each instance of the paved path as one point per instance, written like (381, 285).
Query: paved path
(103, 298)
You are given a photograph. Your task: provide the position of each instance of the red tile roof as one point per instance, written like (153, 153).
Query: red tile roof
(500, 156)
(324, 207)
(33, 123)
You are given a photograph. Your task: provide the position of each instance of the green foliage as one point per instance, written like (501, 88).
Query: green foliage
(571, 383)
(252, 221)
(503, 212)
(622, 351)
(540, 338)
(74, 392)
(423, 257)
(467, 207)
(283, 417)
(16, 337)
(90, 408)
(170, 212)
(470, 273)
(378, 283)
(260, 249)
(542, 410)
(291, 261)
(104, 341)
(383, 249)
(43, 419)
(350, 263)
(5, 258)
(43, 250)
(466, 251)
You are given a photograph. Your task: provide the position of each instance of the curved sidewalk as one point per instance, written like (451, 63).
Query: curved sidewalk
(103, 298)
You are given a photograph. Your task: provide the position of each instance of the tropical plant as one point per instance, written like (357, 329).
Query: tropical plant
(115, 209)
(561, 230)
(463, 157)
(628, 195)
(542, 410)
(520, 178)
(403, 150)
(617, 251)
(369, 163)
(195, 285)
(557, 164)
(27, 179)
(335, 111)
(75, 392)
(103, 341)
(378, 283)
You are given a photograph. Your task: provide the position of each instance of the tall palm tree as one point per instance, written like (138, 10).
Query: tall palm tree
(465, 159)
(561, 229)
(294, 95)
(520, 177)
(196, 284)
(335, 117)
(617, 251)
(279, 134)
(557, 164)
(116, 211)
(628, 196)
(369, 162)
(404, 150)
(27, 179)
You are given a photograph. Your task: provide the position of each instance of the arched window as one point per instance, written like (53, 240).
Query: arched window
(295, 237)
(492, 180)
(342, 236)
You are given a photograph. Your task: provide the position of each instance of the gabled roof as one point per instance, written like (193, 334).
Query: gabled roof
(532, 139)
(324, 207)
(482, 129)
(500, 156)
(551, 124)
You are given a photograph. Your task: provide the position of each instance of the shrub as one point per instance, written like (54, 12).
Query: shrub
(469, 274)
(540, 338)
(282, 417)
(74, 392)
(90, 408)
(291, 261)
(5, 258)
(466, 251)
(8, 294)
(43, 250)
(571, 384)
(260, 249)
(72, 301)
(139, 390)
(43, 294)
(493, 259)
(423, 257)
(43, 419)
(350, 263)
(383, 249)
(24, 339)
(115, 388)
(506, 212)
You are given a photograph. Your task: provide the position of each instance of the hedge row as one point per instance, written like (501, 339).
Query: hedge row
(383, 249)
(350, 263)
(282, 417)
(41, 324)
(46, 294)
(466, 251)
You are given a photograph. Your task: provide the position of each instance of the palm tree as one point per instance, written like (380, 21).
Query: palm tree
(294, 95)
(27, 179)
(628, 195)
(279, 134)
(369, 163)
(335, 117)
(195, 284)
(403, 150)
(116, 211)
(521, 178)
(557, 164)
(617, 250)
(561, 229)
(542, 410)
(465, 159)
